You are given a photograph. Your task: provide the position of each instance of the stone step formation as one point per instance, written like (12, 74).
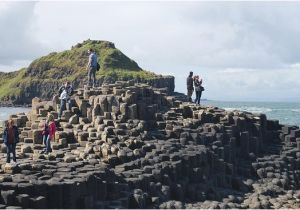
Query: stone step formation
(129, 145)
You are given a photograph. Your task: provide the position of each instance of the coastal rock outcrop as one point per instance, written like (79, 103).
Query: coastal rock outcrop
(43, 77)
(129, 145)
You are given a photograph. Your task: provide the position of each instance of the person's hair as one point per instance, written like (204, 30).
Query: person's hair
(10, 123)
(51, 118)
(67, 82)
(191, 73)
(91, 50)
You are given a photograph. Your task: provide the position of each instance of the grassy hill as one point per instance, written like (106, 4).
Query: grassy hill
(45, 74)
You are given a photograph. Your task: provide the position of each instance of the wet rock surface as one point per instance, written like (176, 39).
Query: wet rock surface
(130, 145)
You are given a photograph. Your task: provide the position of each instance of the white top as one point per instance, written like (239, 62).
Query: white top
(64, 94)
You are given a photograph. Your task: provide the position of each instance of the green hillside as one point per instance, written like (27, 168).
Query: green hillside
(69, 65)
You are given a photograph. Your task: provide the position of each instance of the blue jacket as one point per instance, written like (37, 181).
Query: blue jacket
(93, 60)
(6, 137)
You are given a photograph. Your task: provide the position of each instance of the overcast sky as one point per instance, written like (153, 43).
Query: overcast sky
(244, 51)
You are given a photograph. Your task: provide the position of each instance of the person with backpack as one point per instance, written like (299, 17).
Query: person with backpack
(48, 133)
(65, 93)
(198, 89)
(92, 67)
(190, 86)
(10, 139)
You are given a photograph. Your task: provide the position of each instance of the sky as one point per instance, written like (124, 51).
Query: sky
(244, 51)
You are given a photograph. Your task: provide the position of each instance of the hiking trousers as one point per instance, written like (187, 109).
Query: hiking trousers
(189, 94)
(47, 142)
(198, 97)
(11, 148)
(92, 76)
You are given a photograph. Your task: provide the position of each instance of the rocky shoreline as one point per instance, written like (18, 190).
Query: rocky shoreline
(128, 145)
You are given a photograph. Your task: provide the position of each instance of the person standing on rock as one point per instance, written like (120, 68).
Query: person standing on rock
(11, 138)
(49, 133)
(92, 68)
(190, 86)
(65, 93)
(45, 132)
(198, 89)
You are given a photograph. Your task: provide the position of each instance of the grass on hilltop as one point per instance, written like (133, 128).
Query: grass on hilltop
(71, 65)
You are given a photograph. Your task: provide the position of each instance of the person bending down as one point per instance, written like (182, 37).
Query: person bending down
(65, 93)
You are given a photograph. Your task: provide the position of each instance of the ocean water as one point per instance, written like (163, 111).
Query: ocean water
(5, 112)
(286, 112)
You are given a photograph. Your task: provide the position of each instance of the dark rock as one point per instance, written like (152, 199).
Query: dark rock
(8, 197)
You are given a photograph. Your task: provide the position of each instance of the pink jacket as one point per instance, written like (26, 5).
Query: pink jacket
(52, 129)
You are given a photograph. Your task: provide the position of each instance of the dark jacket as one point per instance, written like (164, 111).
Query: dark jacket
(69, 89)
(189, 83)
(46, 129)
(6, 137)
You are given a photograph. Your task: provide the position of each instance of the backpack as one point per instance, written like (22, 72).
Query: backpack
(98, 66)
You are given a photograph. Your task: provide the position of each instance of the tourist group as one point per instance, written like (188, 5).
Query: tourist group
(194, 83)
(11, 133)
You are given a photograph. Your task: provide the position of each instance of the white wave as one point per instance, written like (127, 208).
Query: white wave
(295, 110)
(250, 109)
(230, 108)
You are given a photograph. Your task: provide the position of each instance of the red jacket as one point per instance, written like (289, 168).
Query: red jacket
(52, 129)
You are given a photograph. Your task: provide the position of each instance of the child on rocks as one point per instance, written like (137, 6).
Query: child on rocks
(49, 133)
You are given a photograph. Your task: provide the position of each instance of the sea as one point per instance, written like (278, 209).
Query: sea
(286, 112)
(5, 112)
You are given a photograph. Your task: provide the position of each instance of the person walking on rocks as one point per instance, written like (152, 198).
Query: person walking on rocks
(65, 93)
(11, 138)
(92, 68)
(198, 89)
(49, 133)
(190, 86)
